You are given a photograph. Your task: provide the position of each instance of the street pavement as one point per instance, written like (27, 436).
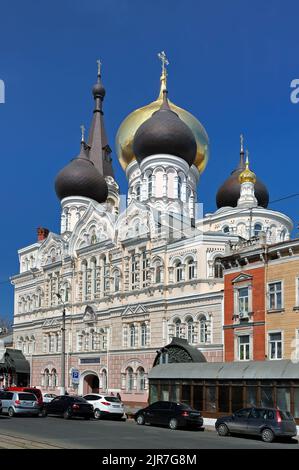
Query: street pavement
(55, 432)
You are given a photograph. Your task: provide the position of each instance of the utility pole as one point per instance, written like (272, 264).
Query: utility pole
(62, 374)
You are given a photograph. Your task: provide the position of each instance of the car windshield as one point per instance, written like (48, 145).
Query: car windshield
(112, 399)
(79, 399)
(183, 406)
(27, 396)
(285, 415)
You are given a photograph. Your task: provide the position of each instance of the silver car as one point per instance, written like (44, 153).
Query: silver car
(19, 403)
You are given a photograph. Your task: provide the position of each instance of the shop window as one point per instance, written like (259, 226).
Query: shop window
(223, 398)
(267, 397)
(153, 393)
(211, 399)
(186, 394)
(165, 392)
(283, 399)
(198, 397)
(237, 398)
(296, 402)
(251, 396)
(174, 393)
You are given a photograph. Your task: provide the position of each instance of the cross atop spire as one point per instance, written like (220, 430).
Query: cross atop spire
(164, 61)
(99, 67)
(82, 133)
(241, 143)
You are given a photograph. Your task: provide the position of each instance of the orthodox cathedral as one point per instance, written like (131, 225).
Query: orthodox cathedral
(134, 277)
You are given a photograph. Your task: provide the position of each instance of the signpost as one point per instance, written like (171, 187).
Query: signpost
(75, 377)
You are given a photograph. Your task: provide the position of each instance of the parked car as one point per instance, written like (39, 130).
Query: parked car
(36, 391)
(68, 406)
(169, 413)
(0, 407)
(19, 403)
(105, 406)
(265, 422)
(48, 397)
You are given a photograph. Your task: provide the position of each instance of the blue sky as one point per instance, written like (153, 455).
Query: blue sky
(231, 64)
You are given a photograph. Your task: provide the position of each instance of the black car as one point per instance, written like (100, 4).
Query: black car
(0, 407)
(68, 406)
(169, 413)
(265, 422)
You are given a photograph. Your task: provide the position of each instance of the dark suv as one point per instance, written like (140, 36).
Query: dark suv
(265, 422)
(169, 413)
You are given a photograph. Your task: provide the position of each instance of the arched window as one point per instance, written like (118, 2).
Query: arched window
(283, 235)
(177, 328)
(218, 268)
(46, 375)
(178, 271)
(143, 335)
(257, 229)
(132, 336)
(191, 268)
(93, 276)
(140, 379)
(225, 229)
(93, 237)
(53, 378)
(104, 379)
(129, 379)
(180, 184)
(84, 280)
(116, 280)
(203, 329)
(190, 331)
(138, 192)
(150, 186)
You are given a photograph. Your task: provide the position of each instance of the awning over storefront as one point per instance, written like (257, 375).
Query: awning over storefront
(251, 370)
(15, 360)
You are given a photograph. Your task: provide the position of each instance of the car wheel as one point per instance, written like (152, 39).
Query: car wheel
(173, 423)
(97, 414)
(267, 435)
(222, 430)
(140, 420)
(67, 414)
(11, 412)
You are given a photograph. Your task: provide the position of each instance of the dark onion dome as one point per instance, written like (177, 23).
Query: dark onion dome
(81, 178)
(229, 193)
(165, 133)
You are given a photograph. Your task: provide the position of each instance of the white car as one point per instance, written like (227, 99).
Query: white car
(105, 406)
(48, 397)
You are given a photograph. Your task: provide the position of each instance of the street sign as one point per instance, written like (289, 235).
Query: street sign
(75, 376)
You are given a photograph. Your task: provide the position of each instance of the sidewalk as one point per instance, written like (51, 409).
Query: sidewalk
(15, 442)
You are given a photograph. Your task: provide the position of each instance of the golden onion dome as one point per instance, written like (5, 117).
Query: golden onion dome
(127, 129)
(247, 176)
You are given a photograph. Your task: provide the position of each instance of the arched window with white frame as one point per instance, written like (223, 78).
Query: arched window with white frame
(84, 279)
(177, 328)
(93, 265)
(203, 329)
(132, 336)
(104, 379)
(218, 268)
(143, 335)
(257, 229)
(140, 379)
(190, 269)
(129, 379)
(116, 280)
(178, 269)
(190, 330)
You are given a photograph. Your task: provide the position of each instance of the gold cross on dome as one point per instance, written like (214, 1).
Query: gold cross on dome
(242, 142)
(164, 60)
(82, 133)
(99, 66)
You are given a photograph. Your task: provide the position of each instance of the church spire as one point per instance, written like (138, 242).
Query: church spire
(100, 152)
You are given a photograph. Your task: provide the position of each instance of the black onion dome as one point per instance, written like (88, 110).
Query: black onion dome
(164, 132)
(229, 193)
(98, 89)
(81, 178)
